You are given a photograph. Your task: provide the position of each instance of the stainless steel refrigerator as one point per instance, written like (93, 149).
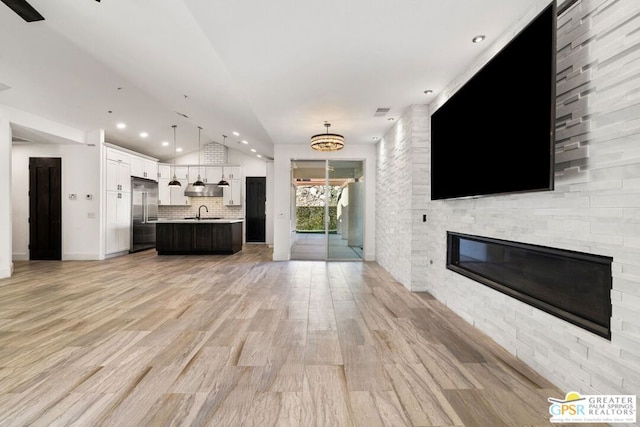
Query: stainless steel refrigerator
(144, 209)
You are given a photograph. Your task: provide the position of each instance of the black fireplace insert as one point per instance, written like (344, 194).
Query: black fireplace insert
(573, 286)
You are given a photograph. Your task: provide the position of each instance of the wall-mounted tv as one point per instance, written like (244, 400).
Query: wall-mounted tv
(495, 135)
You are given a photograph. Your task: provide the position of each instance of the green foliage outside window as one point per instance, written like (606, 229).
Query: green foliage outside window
(311, 218)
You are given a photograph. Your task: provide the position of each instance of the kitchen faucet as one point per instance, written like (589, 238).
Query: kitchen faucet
(199, 214)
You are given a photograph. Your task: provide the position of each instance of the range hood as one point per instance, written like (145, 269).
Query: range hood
(209, 190)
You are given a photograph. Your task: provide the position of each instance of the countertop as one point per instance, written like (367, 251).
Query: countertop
(204, 220)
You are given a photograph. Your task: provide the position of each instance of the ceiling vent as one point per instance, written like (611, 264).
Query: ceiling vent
(181, 114)
(381, 111)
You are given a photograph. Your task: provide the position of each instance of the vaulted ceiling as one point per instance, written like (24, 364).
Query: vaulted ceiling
(273, 71)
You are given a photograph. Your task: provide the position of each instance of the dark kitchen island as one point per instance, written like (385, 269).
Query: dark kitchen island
(198, 236)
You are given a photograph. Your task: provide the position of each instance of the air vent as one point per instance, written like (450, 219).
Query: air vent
(4, 87)
(183, 115)
(381, 111)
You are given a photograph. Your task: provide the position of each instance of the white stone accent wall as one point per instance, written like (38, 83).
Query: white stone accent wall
(402, 191)
(214, 154)
(595, 208)
(394, 183)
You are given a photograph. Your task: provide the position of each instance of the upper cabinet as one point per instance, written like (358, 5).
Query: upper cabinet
(118, 156)
(172, 196)
(233, 172)
(164, 171)
(232, 195)
(118, 168)
(181, 172)
(212, 174)
(144, 168)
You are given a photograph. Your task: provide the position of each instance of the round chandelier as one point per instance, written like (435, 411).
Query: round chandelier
(327, 141)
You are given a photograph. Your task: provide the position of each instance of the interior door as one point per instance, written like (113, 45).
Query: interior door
(255, 209)
(45, 208)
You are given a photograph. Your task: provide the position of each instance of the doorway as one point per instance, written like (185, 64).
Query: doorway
(327, 210)
(255, 209)
(45, 208)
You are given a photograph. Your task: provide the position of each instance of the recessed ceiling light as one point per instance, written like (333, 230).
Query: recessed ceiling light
(121, 125)
(244, 141)
(428, 92)
(236, 133)
(253, 150)
(478, 38)
(165, 143)
(143, 134)
(259, 156)
(178, 150)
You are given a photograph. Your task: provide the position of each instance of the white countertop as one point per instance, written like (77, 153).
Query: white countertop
(203, 221)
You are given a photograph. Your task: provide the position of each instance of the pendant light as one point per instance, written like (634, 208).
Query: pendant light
(174, 182)
(199, 182)
(222, 182)
(327, 141)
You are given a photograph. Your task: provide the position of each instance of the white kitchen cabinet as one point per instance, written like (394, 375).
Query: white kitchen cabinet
(212, 174)
(177, 196)
(168, 196)
(181, 172)
(144, 168)
(172, 196)
(118, 176)
(164, 171)
(118, 201)
(118, 156)
(137, 166)
(118, 222)
(232, 195)
(194, 171)
(164, 192)
(232, 172)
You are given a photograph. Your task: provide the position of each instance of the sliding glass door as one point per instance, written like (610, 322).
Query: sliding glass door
(346, 210)
(328, 210)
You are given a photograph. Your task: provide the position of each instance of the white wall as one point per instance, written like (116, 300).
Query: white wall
(270, 203)
(595, 208)
(81, 235)
(6, 263)
(38, 127)
(284, 153)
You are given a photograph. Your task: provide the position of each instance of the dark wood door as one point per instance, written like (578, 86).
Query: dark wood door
(45, 208)
(256, 198)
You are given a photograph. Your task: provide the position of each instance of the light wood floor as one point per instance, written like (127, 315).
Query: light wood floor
(142, 340)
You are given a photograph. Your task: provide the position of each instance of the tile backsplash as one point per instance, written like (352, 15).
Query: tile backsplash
(214, 204)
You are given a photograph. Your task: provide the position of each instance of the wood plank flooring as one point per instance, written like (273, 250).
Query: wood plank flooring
(146, 340)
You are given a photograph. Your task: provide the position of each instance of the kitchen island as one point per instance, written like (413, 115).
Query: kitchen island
(198, 236)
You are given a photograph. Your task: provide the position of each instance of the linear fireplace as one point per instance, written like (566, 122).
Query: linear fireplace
(573, 286)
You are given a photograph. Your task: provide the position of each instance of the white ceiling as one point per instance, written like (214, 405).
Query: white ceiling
(273, 71)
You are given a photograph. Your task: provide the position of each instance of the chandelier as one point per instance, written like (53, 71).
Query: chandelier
(327, 141)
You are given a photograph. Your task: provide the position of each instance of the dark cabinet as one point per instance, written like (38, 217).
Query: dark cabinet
(182, 238)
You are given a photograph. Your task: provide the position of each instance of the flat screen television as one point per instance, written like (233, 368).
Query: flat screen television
(496, 134)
